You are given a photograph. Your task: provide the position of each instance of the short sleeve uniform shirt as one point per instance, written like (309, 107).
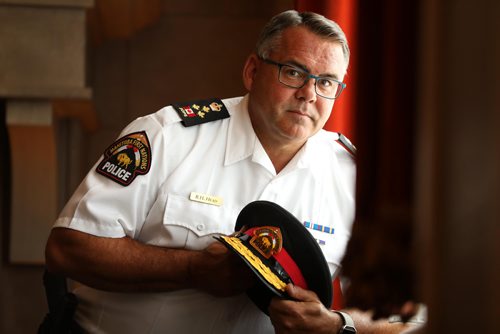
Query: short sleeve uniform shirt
(221, 160)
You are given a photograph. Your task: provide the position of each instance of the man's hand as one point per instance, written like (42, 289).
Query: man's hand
(305, 314)
(219, 271)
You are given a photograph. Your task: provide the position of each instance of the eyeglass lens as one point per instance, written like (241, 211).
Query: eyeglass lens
(296, 78)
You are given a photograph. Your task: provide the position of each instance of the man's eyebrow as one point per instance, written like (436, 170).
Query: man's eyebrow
(306, 69)
(298, 65)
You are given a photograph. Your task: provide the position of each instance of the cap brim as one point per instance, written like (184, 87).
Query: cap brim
(277, 290)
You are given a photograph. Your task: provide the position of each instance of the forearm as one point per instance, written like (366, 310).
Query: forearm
(117, 264)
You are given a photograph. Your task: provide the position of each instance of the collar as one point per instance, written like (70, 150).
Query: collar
(241, 136)
(243, 142)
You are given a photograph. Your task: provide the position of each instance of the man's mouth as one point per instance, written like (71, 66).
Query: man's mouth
(300, 112)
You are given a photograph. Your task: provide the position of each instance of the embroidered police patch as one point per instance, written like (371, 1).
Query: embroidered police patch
(126, 158)
(201, 111)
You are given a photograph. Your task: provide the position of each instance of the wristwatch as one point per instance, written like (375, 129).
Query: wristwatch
(348, 327)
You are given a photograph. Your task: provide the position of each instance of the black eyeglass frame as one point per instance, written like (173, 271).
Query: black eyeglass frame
(342, 85)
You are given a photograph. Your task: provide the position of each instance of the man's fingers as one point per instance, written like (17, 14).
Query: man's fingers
(217, 248)
(300, 294)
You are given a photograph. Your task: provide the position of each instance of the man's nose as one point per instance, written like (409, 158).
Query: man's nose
(308, 91)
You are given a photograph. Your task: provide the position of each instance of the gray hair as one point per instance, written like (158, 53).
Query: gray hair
(270, 36)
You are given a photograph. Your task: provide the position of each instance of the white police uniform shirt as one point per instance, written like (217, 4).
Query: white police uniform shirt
(221, 158)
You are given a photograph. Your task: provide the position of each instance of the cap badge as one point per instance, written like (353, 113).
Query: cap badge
(267, 240)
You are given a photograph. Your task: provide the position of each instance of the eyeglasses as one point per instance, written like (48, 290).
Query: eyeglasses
(295, 77)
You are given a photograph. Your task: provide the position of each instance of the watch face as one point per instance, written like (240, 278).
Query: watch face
(348, 330)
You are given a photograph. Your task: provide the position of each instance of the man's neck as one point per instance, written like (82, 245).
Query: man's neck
(281, 155)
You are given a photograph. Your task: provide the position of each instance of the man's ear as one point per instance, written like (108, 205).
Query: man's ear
(250, 70)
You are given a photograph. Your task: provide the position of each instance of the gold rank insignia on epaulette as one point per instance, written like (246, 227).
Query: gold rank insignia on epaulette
(201, 111)
(346, 143)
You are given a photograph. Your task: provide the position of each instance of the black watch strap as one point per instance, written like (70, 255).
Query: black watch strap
(348, 327)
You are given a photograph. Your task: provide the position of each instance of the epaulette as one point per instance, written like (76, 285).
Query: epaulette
(346, 143)
(200, 111)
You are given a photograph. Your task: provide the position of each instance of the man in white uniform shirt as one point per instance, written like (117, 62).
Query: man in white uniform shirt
(138, 233)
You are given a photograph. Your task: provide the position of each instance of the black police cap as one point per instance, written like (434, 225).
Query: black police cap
(279, 250)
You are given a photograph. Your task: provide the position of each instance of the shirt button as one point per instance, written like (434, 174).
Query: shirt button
(200, 227)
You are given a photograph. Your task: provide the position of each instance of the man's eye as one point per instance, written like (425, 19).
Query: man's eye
(325, 82)
(291, 72)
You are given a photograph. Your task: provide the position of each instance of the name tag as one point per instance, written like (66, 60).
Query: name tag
(204, 198)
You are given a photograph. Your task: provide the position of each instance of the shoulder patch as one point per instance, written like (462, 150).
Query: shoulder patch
(126, 158)
(346, 143)
(201, 111)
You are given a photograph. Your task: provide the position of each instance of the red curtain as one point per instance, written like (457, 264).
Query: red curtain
(344, 13)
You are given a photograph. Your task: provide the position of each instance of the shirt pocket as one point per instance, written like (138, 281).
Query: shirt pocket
(193, 225)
